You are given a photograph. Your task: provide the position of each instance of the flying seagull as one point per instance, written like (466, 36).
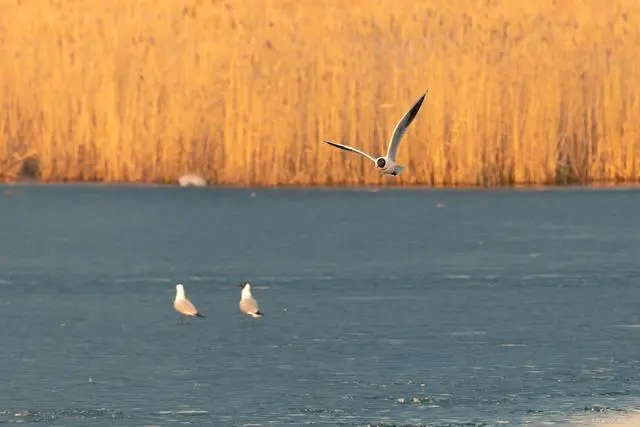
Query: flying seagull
(183, 305)
(248, 304)
(387, 165)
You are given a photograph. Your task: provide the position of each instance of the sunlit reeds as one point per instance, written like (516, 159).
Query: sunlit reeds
(539, 92)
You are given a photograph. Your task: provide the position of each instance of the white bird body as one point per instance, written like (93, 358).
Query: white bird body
(386, 165)
(248, 305)
(182, 304)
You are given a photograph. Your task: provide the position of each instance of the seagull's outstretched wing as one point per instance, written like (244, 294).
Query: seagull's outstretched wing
(401, 128)
(346, 147)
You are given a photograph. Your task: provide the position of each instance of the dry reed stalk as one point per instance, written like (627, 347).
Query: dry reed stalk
(541, 92)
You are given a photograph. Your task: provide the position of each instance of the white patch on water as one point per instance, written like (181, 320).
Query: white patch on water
(285, 367)
(142, 279)
(467, 333)
(596, 370)
(373, 298)
(625, 326)
(191, 412)
(278, 279)
(551, 276)
(456, 421)
(201, 278)
(511, 345)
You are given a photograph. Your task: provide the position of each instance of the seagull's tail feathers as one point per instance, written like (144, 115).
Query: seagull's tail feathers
(398, 170)
(200, 315)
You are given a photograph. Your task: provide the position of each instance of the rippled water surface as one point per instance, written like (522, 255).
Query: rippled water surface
(394, 308)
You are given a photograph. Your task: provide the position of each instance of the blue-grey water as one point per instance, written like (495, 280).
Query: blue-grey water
(391, 308)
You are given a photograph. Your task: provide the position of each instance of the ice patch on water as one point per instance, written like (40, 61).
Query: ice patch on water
(467, 333)
(185, 412)
(201, 278)
(371, 298)
(142, 280)
(48, 416)
(434, 401)
(551, 276)
(192, 412)
(257, 280)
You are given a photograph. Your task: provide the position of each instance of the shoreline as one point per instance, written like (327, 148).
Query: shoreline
(361, 187)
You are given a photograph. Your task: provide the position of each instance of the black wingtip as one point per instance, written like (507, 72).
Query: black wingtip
(418, 104)
(259, 313)
(200, 315)
(336, 145)
(416, 107)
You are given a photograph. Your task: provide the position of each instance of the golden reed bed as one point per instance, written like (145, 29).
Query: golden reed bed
(242, 92)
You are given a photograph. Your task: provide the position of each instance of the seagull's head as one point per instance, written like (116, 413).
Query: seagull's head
(243, 284)
(381, 162)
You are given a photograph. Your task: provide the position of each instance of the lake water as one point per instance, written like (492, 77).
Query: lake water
(390, 308)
